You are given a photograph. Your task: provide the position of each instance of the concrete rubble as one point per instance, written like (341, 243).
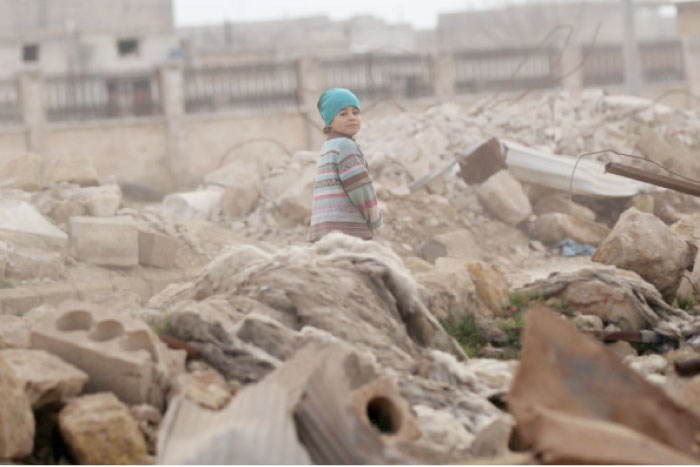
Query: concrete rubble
(205, 329)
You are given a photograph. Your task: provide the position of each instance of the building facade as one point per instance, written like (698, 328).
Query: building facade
(85, 36)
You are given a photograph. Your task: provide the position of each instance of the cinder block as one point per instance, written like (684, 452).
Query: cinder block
(157, 250)
(105, 241)
(120, 354)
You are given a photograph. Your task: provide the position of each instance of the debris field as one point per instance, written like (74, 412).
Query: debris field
(519, 306)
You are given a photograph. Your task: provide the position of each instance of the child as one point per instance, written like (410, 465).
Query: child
(344, 198)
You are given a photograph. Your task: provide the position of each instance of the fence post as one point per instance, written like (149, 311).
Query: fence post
(571, 68)
(443, 76)
(31, 96)
(691, 60)
(309, 86)
(172, 100)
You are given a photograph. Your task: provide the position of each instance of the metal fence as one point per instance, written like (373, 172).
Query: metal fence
(241, 87)
(377, 76)
(92, 96)
(660, 62)
(504, 69)
(9, 104)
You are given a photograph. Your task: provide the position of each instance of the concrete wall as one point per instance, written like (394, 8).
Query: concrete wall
(130, 151)
(24, 18)
(87, 53)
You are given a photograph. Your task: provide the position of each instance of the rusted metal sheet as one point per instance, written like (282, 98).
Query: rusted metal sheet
(483, 162)
(673, 183)
(569, 375)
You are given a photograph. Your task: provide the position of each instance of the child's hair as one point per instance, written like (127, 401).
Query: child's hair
(326, 130)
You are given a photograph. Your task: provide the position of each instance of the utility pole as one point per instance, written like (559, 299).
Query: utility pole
(631, 51)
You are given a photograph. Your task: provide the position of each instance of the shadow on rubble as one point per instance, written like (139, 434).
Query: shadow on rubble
(573, 401)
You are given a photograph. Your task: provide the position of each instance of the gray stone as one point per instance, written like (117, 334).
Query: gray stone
(642, 243)
(16, 417)
(99, 429)
(102, 201)
(156, 249)
(47, 379)
(23, 172)
(74, 168)
(505, 197)
(110, 241)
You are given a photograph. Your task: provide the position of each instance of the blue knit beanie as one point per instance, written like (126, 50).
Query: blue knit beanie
(333, 101)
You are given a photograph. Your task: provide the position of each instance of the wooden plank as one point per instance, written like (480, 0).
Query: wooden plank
(676, 184)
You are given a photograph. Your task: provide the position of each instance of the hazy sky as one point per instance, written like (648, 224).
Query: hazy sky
(420, 13)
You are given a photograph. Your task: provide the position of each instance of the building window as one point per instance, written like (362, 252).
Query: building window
(30, 52)
(128, 47)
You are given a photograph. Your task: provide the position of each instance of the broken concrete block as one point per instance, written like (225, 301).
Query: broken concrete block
(483, 162)
(156, 249)
(99, 429)
(47, 379)
(111, 241)
(102, 201)
(31, 263)
(64, 209)
(295, 202)
(642, 243)
(207, 388)
(553, 227)
(201, 204)
(22, 225)
(491, 285)
(16, 416)
(14, 332)
(505, 197)
(242, 182)
(74, 168)
(23, 173)
(120, 354)
(459, 244)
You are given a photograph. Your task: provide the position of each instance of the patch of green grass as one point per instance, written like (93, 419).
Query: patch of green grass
(518, 300)
(685, 303)
(164, 325)
(467, 333)
(5, 284)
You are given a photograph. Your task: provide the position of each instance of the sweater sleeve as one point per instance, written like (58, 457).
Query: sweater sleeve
(357, 183)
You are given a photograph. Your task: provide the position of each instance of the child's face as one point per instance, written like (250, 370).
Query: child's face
(348, 121)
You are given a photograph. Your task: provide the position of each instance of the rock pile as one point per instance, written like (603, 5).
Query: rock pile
(205, 329)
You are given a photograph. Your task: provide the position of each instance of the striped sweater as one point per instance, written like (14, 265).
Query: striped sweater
(344, 198)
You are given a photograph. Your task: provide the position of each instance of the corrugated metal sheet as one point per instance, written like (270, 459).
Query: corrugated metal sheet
(255, 428)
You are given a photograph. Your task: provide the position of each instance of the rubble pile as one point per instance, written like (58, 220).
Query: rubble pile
(205, 329)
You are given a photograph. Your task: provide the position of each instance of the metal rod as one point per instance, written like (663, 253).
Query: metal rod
(672, 183)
